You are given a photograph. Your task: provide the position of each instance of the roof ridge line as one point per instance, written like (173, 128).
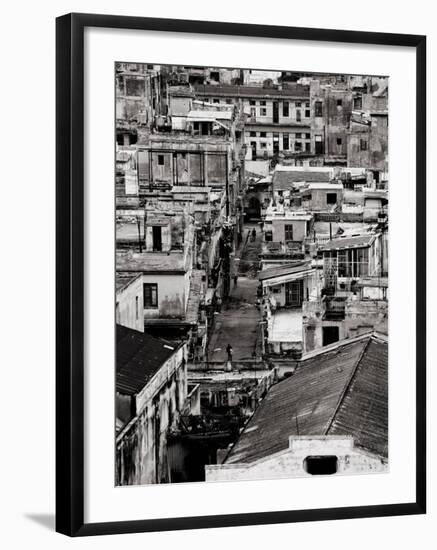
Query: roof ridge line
(346, 387)
(336, 345)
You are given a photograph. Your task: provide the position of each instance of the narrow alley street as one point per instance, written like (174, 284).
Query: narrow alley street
(238, 324)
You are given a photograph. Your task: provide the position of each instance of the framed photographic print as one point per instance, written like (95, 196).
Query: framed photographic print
(240, 274)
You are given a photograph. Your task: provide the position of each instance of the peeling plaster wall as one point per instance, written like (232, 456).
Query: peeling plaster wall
(141, 451)
(319, 199)
(299, 229)
(129, 306)
(361, 316)
(290, 463)
(172, 295)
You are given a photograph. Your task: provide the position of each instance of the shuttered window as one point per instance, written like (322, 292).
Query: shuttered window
(150, 291)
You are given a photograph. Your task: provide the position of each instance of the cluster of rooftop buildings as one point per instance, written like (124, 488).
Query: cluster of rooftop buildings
(199, 152)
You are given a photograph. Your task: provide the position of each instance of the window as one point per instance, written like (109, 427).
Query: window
(136, 308)
(318, 110)
(339, 103)
(285, 142)
(263, 145)
(216, 100)
(294, 293)
(307, 136)
(363, 144)
(285, 109)
(252, 102)
(321, 465)
(252, 134)
(262, 103)
(288, 230)
(331, 198)
(228, 101)
(298, 115)
(150, 291)
(353, 262)
(338, 141)
(307, 146)
(160, 160)
(298, 104)
(263, 134)
(307, 113)
(358, 102)
(253, 112)
(298, 146)
(268, 236)
(307, 104)
(263, 111)
(135, 87)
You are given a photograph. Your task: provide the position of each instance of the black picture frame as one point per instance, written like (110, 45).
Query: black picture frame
(70, 273)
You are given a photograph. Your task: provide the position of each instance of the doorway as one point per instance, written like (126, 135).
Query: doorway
(330, 335)
(157, 238)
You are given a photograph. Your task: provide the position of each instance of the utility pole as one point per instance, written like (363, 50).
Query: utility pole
(139, 234)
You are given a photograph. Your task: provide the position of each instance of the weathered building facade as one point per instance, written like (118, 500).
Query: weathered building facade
(151, 392)
(277, 117)
(317, 421)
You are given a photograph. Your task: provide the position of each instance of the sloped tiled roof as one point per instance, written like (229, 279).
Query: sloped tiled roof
(139, 357)
(339, 391)
(363, 411)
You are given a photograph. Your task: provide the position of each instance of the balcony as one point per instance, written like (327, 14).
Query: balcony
(335, 307)
(289, 249)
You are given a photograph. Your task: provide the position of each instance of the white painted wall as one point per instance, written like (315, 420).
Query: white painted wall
(290, 463)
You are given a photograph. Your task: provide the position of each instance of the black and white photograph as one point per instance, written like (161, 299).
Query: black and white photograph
(224, 261)
(252, 295)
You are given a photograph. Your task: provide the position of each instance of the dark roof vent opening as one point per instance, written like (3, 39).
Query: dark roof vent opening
(321, 465)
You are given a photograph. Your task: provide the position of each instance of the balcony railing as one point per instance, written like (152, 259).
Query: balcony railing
(334, 308)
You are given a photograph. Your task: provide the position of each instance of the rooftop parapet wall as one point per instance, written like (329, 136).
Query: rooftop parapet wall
(291, 463)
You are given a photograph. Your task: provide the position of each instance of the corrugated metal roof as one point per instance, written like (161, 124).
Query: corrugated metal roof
(349, 242)
(342, 390)
(139, 357)
(363, 411)
(287, 269)
(285, 180)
